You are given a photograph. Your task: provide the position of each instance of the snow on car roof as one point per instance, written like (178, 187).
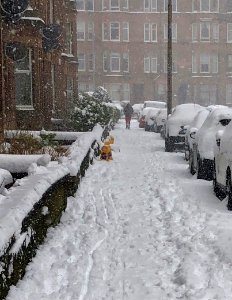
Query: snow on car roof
(206, 135)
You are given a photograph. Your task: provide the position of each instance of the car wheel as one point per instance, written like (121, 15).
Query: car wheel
(191, 166)
(200, 169)
(146, 128)
(229, 192)
(169, 147)
(186, 154)
(220, 194)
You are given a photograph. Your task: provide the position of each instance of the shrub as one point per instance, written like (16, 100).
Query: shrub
(90, 110)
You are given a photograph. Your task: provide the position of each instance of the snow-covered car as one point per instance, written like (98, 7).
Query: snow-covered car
(138, 107)
(182, 115)
(142, 117)
(160, 120)
(150, 118)
(205, 141)
(223, 164)
(191, 135)
(155, 104)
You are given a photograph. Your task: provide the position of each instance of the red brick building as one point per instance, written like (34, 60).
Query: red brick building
(39, 77)
(122, 45)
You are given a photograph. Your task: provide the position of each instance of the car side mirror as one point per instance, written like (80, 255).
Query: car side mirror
(193, 132)
(218, 137)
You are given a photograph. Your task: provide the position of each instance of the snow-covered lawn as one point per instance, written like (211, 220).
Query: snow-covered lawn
(140, 228)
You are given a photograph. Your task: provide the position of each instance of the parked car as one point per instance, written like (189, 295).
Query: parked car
(182, 115)
(223, 164)
(150, 118)
(155, 104)
(138, 107)
(142, 117)
(191, 135)
(205, 142)
(160, 120)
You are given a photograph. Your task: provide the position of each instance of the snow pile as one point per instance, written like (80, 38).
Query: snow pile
(79, 149)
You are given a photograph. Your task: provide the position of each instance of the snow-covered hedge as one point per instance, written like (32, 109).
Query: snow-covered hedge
(36, 202)
(90, 110)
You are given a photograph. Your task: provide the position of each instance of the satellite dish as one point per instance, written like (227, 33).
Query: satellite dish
(52, 32)
(16, 51)
(49, 45)
(14, 7)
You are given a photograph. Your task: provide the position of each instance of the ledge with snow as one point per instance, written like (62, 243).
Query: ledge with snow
(36, 202)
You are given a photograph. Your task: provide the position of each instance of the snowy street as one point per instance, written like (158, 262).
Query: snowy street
(140, 228)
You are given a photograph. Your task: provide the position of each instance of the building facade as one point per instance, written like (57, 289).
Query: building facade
(122, 45)
(39, 63)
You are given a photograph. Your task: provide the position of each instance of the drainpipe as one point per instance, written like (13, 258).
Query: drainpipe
(169, 60)
(2, 104)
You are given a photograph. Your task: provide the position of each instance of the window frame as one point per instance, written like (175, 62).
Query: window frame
(111, 24)
(29, 73)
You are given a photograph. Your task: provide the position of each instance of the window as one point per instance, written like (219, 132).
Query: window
(204, 63)
(146, 5)
(125, 62)
(214, 63)
(86, 87)
(126, 91)
(91, 62)
(146, 64)
(114, 5)
(174, 5)
(81, 62)
(229, 6)
(153, 32)
(105, 62)
(150, 32)
(90, 31)
(194, 63)
(80, 4)
(105, 4)
(105, 32)
(69, 88)
(115, 91)
(205, 31)
(194, 32)
(68, 36)
(150, 64)
(125, 5)
(229, 33)
(114, 31)
(115, 62)
(23, 80)
(154, 65)
(80, 31)
(214, 5)
(85, 5)
(194, 5)
(229, 62)
(89, 5)
(125, 31)
(147, 32)
(174, 32)
(205, 5)
(215, 32)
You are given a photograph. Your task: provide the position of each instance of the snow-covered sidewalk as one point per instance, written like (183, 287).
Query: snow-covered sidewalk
(140, 227)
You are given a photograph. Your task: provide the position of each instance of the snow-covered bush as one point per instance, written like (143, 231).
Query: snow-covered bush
(90, 110)
(101, 94)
